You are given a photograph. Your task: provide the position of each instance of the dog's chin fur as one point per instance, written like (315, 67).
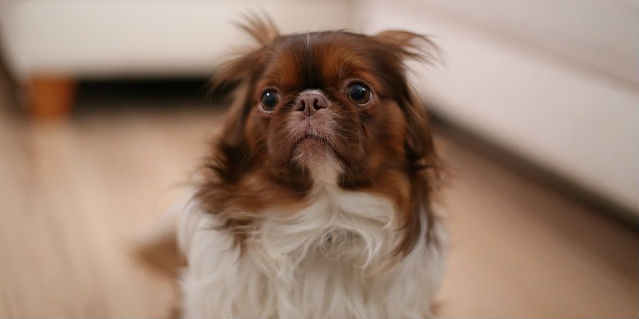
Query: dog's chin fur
(329, 259)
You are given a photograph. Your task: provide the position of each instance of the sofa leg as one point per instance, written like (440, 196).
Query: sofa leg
(50, 96)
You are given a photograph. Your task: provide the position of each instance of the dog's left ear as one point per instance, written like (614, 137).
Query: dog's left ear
(405, 46)
(423, 163)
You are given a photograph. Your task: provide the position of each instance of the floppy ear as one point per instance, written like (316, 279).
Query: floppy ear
(423, 165)
(228, 161)
(425, 171)
(240, 73)
(419, 141)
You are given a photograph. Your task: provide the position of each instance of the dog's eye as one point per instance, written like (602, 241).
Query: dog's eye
(358, 93)
(269, 100)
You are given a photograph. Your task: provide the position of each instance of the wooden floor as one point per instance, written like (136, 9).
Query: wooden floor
(76, 197)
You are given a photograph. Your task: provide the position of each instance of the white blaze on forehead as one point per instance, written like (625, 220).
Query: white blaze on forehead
(313, 91)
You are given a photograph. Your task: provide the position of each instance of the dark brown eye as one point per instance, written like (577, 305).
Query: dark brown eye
(269, 100)
(358, 93)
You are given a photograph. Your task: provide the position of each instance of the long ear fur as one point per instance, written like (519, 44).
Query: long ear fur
(419, 141)
(239, 74)
(410, 45)
(263, 31)
(229, 161)
(424, 165)
(261, 28)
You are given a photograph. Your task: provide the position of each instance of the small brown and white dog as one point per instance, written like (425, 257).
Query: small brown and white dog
(316, 198)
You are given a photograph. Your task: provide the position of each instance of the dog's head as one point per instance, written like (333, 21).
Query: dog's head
(323, 107)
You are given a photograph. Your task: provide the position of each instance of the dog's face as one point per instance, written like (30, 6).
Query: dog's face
(324, 103)
(325, 95)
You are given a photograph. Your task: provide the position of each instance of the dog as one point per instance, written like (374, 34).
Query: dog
(315, 200)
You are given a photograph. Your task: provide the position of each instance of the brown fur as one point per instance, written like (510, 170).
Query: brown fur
(385, 147)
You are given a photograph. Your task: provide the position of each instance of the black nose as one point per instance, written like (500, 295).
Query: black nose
(310, 102)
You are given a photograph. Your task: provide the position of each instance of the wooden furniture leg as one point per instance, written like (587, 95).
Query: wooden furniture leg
(50, 96)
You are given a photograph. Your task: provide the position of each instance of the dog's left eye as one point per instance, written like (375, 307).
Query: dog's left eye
(269, 100)
(358, 93)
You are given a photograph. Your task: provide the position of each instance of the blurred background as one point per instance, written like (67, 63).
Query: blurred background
(104, 116)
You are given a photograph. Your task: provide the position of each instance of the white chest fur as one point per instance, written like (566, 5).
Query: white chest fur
(330, 259)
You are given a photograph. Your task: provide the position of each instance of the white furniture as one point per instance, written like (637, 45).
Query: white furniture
(141, 37)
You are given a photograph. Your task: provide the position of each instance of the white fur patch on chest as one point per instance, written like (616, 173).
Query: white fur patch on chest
(335, 223)
(321, 261)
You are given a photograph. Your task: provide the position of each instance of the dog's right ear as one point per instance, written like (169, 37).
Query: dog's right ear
(240, 74)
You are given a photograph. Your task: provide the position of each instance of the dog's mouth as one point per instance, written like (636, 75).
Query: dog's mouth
(314, 144)
(310, 136)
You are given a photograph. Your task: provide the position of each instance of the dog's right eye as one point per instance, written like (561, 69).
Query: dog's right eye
(269, 100)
